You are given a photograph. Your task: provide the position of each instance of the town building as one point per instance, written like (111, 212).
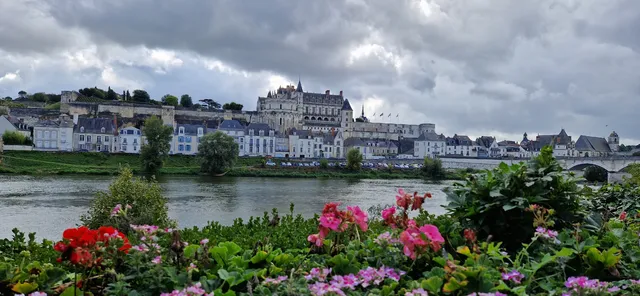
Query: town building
(14, 124)
(259, 140)
(461, 146)
(429, 145)
(186, 138)
(129, 140)
(234, 129)
(94, 135)
(54, 135)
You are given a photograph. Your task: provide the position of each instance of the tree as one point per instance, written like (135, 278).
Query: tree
(217, 153)
(186, 101)
(211, 104)
(15, 138)
(637, 153)
(53, 98)
(94, 92)
(432, 168)
(232, 106)
(22, 94)
(7, 98)
(111, 95)
(141, 96)
(157, 146)
(595, 174)
(128, 97)
(324, 163)
(39, 97)
(354, 159)
(148, 206)
(170, 100)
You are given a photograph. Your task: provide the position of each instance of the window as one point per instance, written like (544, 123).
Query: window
(124, 141)
(280, 106)
(99, 147)
(188, 147)
(200, 131)
(181, 139)
(39, 144)
(99, 139)
(124, 148)
(46, 135)
(82, 129)
(54, 144)
(39, 134)
(188, 139)
(138, 133)
(81, 138)
(102, 131)
(129, 132)
(122, 132)
(106, 138)
(241, 140)
(46, 144)
(135, 141)
(280, 121)
(241, 147)
(88, 138)
(181, 130)
(54, 135)
(135, 148)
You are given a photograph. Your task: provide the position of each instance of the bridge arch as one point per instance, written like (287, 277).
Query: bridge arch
(584, 165)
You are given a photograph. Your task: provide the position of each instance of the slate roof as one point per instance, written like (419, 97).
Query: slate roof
(300, 133)
(346, 105)
(354, 142)
(299, 88)
(257, 127)
(190, 129)
(231, 125)
(485, 141)
(95, 125)
(431, 136)
(588, 143)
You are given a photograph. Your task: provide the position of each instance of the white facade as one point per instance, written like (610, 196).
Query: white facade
(429, 147)
(53, 135)
(129, 140)
(186, 139)
(258, 140)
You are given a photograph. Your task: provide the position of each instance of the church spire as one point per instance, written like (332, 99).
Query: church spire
(299, 88)
(362, 110)
(269, 94)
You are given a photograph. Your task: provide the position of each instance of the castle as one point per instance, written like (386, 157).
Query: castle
(291, 107)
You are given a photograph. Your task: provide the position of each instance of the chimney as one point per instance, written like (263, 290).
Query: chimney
(75, 119)
(341, 93)
(327, 92)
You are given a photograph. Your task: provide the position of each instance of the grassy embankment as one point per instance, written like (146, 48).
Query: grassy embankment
(51, 163)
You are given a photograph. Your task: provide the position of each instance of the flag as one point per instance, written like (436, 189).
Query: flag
(381, 114)
(374, 114)
(389, 115)
(397, 114)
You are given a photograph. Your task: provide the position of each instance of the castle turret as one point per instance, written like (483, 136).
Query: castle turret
(346, 114)
(614, 142)
(299, 88)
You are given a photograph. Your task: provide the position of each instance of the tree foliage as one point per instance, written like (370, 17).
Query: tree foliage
(148, 206)
(39, 97)
(217, 153)
(232, 106)
(186, 101)
(111, 95)
(496, 203)
(15, 138)
(432, 168)
(211, 104)
(22, 93)
(595, 174)
(141, 96)
(170, 100)
(158, 137)
(94, 92)
(354, 159)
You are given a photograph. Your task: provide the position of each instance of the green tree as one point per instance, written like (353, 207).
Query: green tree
(128, 97)
(170, 100)
(324, 163)
(53, 98)
(54, 106)
(186, 101)
(148, 206)
(211, 104)
(94, 92)
(39, 97)
(595, 174)
(15, 138)
(22, 94)
(141, 96)
(637, 153)
(7, 98)
(432, 168)
(217, 153)
(111, 95)
(232, 106)
(157, 146)
(354, 159)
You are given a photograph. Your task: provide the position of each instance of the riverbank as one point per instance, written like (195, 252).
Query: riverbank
(84, 163)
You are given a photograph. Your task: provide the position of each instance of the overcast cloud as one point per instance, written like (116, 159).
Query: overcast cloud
(474, 67)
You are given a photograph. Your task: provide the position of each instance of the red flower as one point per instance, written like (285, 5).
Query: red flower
(60, 247)
(417, 201)
(470, 235)
(623, 216)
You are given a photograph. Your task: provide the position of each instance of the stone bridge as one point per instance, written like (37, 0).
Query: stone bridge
(611, 164)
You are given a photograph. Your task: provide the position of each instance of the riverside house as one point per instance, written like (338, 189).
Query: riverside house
(94, 135)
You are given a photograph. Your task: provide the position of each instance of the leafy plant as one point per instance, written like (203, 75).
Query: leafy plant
(217, 153)
(354, 159)
(156, 150)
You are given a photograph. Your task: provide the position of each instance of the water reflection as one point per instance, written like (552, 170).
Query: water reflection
(48, 205)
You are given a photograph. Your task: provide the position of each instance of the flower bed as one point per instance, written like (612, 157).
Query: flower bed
(582, 248)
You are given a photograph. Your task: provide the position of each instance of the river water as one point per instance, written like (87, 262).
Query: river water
(48, 205)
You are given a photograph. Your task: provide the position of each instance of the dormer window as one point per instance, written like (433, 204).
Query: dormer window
(82, 129)
(261, 133)
(181, 130)
(200, 131)
(102, 130)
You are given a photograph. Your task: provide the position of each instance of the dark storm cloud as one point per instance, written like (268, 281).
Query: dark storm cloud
(468, 66)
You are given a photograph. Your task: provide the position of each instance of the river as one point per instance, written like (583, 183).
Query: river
(48, 205)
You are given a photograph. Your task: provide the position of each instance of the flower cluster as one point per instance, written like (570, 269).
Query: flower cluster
(333, 219)
(276, 281)
(487, 294)
(118, 211)
(148, 236)
(514, 276)
(385, 239)
(195, 290)
(547, 234)
(80, 245)
(365, 278)
(541, 215)
(34, 294)
(417, 292)
(416, 239)
(405, 202)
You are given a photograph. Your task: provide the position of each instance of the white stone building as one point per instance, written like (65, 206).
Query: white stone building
(430, 145)
(259, 140)
(234, 129)
(94, 135)
(186, 138)
(461, 146)
(53, 135)
(129, 140)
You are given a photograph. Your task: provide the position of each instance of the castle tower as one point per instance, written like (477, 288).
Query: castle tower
(614, 142)
(346, 115)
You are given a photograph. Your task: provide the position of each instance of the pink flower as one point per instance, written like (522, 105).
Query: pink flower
(360, 217)
(403, 200)
(433, 234)
(623, 216)
(330, 221)
(157, 260)
(116, 210)
(417, 292)
(204, 241)
(315, 239)
(388, 213)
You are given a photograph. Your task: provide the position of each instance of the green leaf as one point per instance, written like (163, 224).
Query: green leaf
(259, 257)
(190, 251)
(529, 184)
(24, 288)
(432, 284)
(232, 247)
(565, 252)
(223, 274)
(509, 207)
(72, 291)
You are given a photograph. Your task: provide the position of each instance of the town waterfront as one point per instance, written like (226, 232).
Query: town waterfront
(49, 204)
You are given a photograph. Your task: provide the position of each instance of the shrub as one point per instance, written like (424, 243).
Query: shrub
(354, 160)
(156, 150)
(496, 203)
(432, 168)
(145, 198)
(613, 199)
(217, 153)
(595, 174)
(324, 164)
(15, 138)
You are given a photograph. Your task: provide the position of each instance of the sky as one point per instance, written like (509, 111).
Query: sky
(472, 67)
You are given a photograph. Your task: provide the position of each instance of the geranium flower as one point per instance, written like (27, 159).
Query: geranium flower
(156, 260)
(330, 221)
(360, 217)
(204, 241)
(417, 201)
(116, 210)
(623, 216)
(433, 234)
(315, 239)
(417, 292)
(514, 276)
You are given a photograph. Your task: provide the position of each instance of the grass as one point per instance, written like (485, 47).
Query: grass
(91, 163)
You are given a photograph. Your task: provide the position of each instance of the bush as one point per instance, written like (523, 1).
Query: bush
(595, 174)
(324, 164)
(156, 149)
(497, 203)
(15, 138)
(637, 153)
(145, 197)
(218, 152)
(354, 160)
(432, 168)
